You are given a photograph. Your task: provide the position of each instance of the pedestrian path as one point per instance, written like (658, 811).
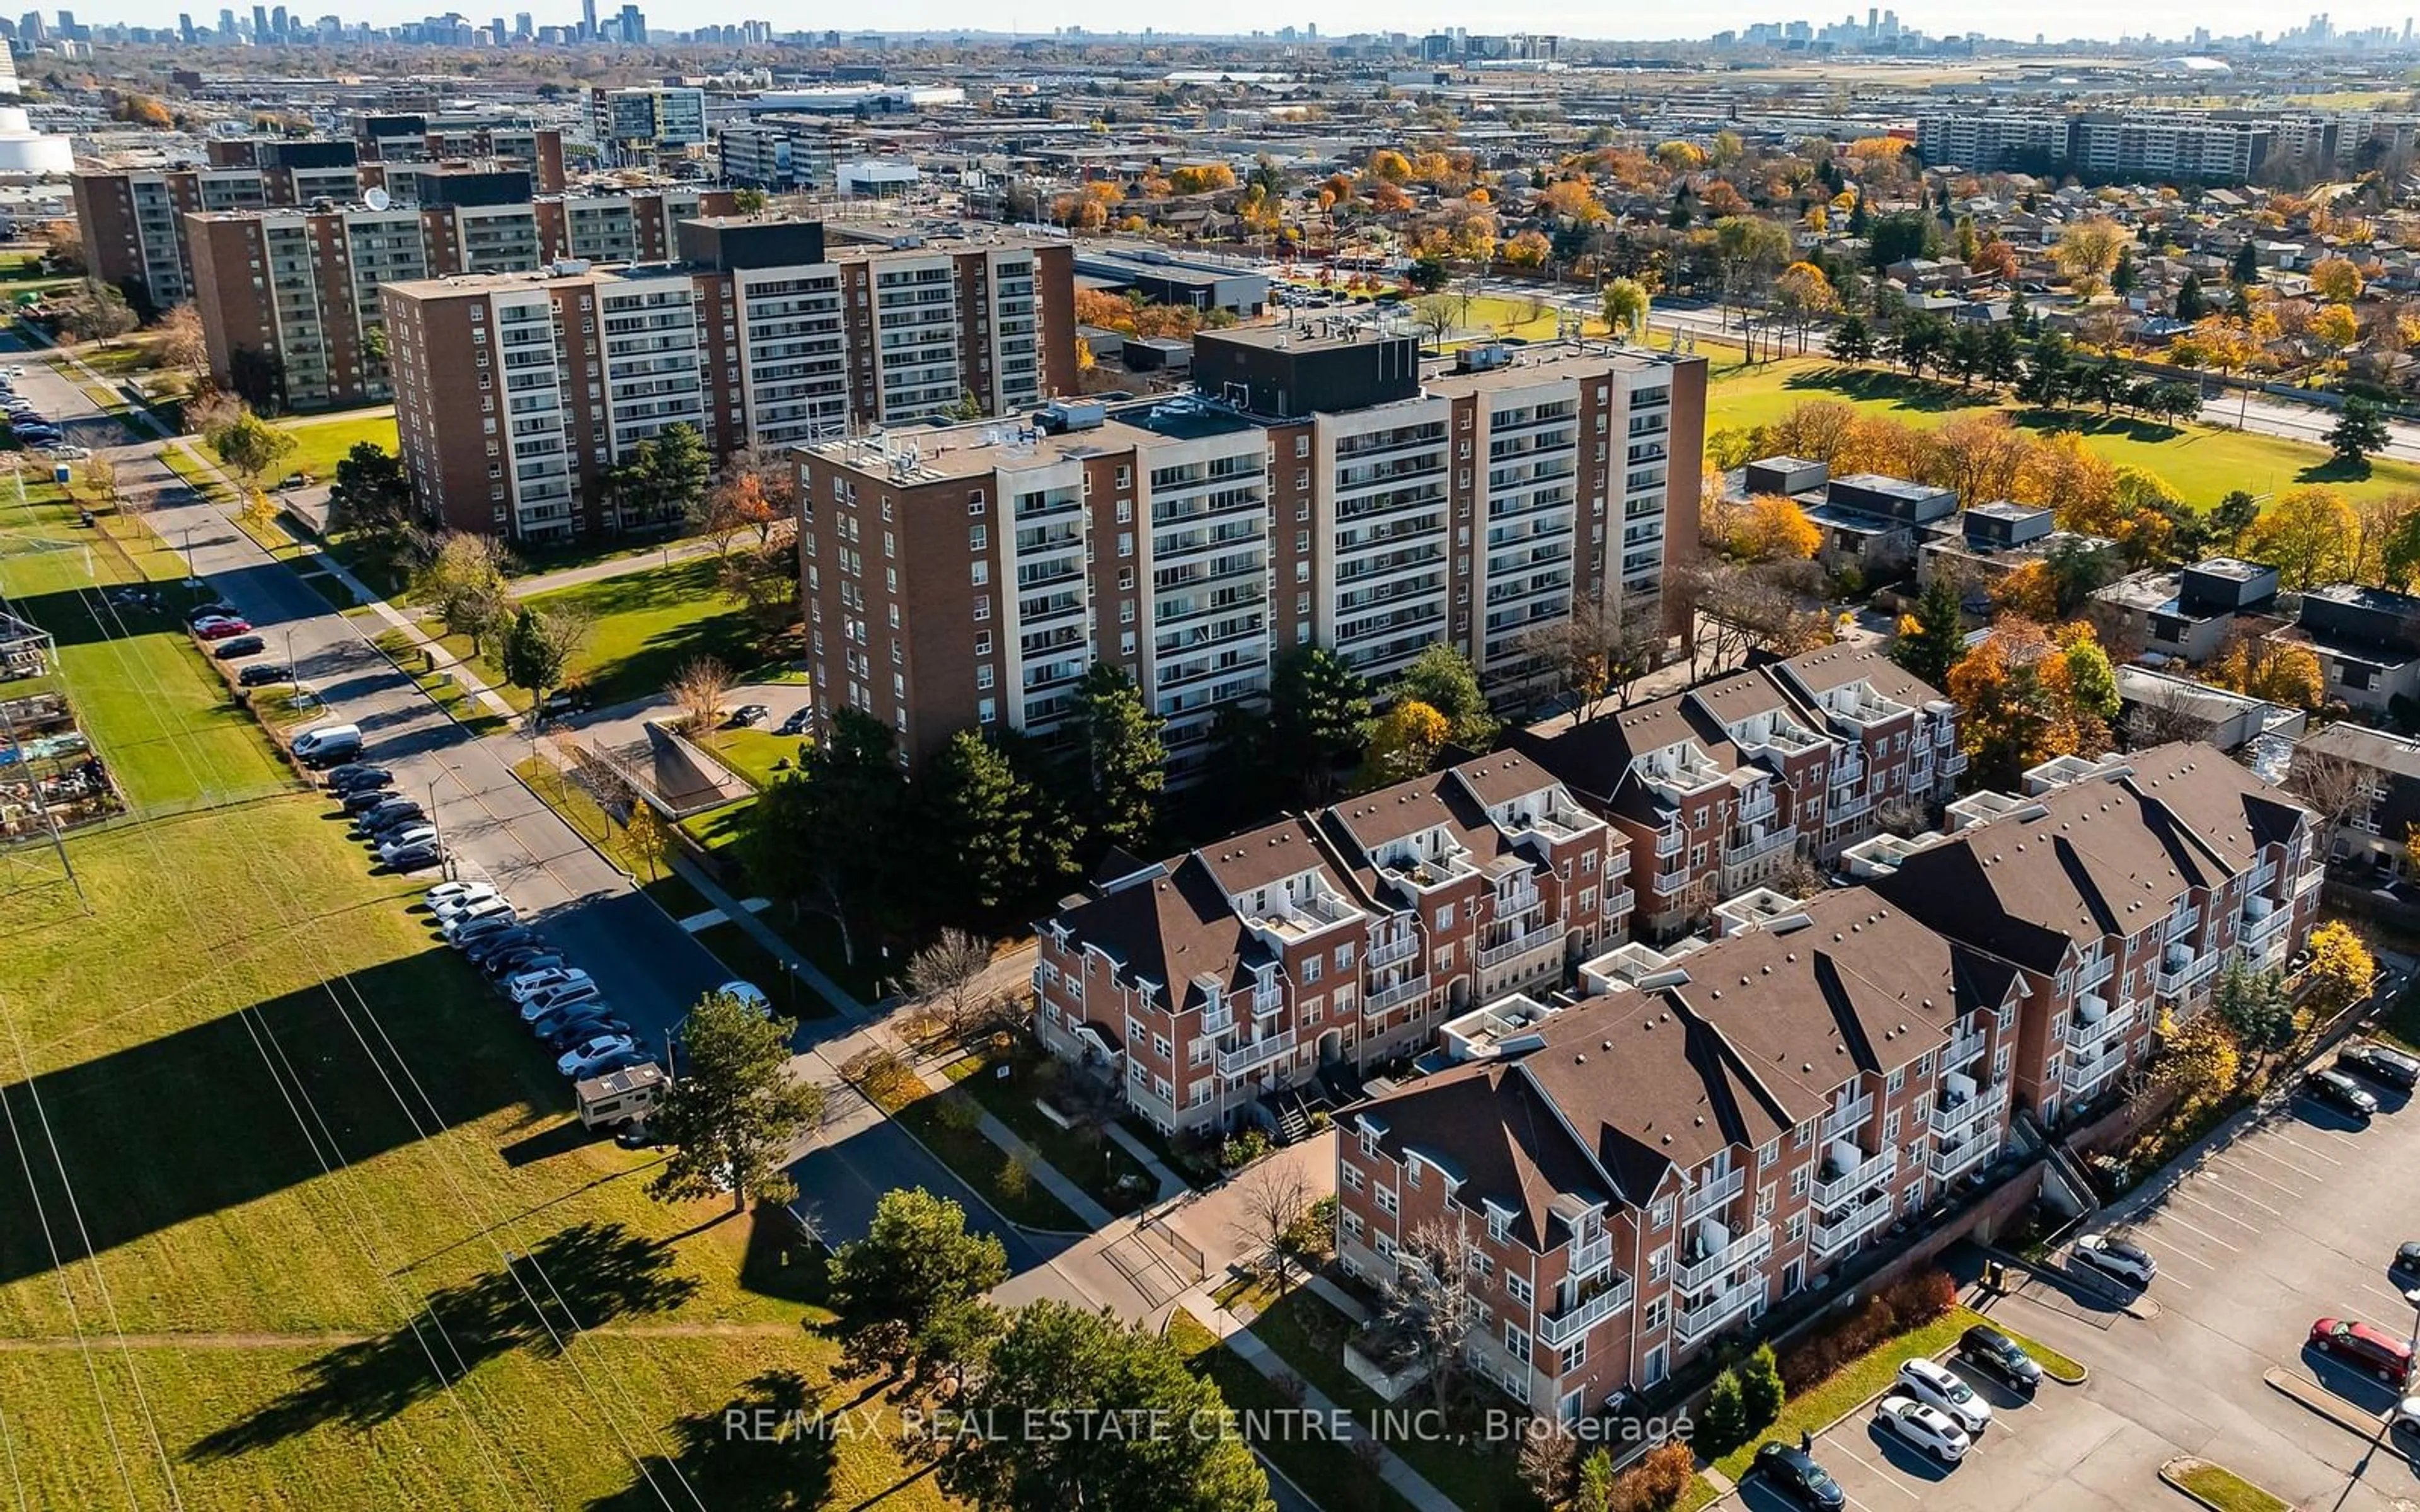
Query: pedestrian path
(739, 915)
(1409, 1483)
(1170, 1184)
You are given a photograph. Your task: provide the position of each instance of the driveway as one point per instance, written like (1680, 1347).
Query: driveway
(2291, 1218)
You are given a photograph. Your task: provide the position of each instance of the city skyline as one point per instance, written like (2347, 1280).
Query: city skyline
(2058, 20)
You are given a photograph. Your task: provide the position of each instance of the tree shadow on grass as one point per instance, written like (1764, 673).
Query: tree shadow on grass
(2336, 469)
(1875, 386)
(764, 1451)
(784, 1259)
(582, 1275)
(2092, 423)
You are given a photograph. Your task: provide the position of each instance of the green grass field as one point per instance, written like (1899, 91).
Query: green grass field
(320, 441)
(649, 624)
(2201, 462)
(272, 1205)
(1340, 1480)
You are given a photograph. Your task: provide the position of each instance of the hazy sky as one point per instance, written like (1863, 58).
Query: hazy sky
(2056, 19)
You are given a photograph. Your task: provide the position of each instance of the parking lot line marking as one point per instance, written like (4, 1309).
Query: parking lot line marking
(2314, 1155)
(2389, 1296)
(2206, 1234)
(1882, 1474)
(2142, 1236)
(2242, 1197)
(2184, 1195)
(2266, 1153)
(2233, 1170)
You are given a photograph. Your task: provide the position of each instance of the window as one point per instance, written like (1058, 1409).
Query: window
(1353, 1179)
(1898, 1081)
(983, 643)
(1769, 1154)
(1890, 1127)
(1766, 1197)
(987, 711)
(1795, 1230)
(1659, 1264)
(1387, 1204)
(1445, 916)
(1798, 1182)
(1658, 1313)
(978, 538)
(982, 674)
(1302, 447)
(1310, 971)
(1516, 1342)
(1660, 1215)
(983, 606)
(975, 503)
(979, 572)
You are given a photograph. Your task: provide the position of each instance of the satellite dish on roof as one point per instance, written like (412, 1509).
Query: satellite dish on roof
(376, 199)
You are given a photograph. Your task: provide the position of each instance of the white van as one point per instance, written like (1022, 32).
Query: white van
(328, 745)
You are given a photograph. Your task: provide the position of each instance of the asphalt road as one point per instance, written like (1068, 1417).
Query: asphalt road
(2293, 1219)
(651, 969)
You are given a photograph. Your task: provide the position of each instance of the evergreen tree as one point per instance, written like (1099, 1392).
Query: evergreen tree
(916, 1262)
(2121, 277)
(1724, 1426)
(997, 836)
(826, 838)
(1760, 1389)
(1859, 221)
(1853, 341)
(1317, 714)
(1123, 757)
(2360, 430)
(2245, 271)
(2189, 303)
(370, 501)
(737, 1110)
(1931, 639)
(2255, 1005)
(532, 659)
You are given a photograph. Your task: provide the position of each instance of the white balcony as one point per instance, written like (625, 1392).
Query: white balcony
(2183, 971)
(1395, 995)
(1596, 1304)
(1313, 912)
(1549, 937)
(1841, 1233)
(2094, 972)
(1219, 1017)
(1967, 1044)
(1692, 1322)
(1518, 899)
(1752, 1247)
(2082, 1077)
(1855, 1181)
(1956, 1114)
(1252, 1054)
(2264, 919)
(1709, 1196)
(1846, 807)
(1947, 1162)
(1669, 840)
(2095, 1024)
(1850, 1117)
(1756, 803)
(1618, 901)
(1402, 947)
(1589, 1255)
(1665, 883)
(1954, 764)
(2309, 882)
(1752, 846)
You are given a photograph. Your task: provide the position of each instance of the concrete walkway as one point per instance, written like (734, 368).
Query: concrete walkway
(739, 915)
(671, 554)
(1408, 1483)
(1170, 1184)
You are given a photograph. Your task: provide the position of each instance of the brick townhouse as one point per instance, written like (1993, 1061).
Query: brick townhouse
(1638, 1175)
(1719, 785)
(1324, 942)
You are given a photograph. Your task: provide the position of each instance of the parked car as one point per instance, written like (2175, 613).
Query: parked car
(236, 646)
(414, 857)
(2391, 1067)
(2365, 1348)
(217, 608)
(563, 1039)
(797, 723)
(2404, 1424)
(1997, 1356)
(479, 950)
(618, 1061)
(749, 713)
(1788, 1469)
(72, 454)
(1936, 1385)
(2341, 1092)
(505, 962)
(367, 800)
(2405, 1266)
(221, 630)
(264, 675)
(570, 1013)
(2117, 1258)
(465, 894)
(392, 810)
(580, 1059)
(562, 994)
(529, 985)
(495, 905)
(406, 838)
(359, 774)
(1924, 1427)
(749, 994)
(328, 745)
(459, 888)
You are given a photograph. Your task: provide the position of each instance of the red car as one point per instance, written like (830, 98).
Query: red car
(2365, 1347)
(221, 630)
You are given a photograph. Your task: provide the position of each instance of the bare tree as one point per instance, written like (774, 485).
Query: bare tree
(2163, 714)
(698, 690)
(1274, 1198)
(943, 976)
(2335, 787)
(1597, 655)
(1429, 1300)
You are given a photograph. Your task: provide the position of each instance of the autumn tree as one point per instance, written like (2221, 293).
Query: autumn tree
(1403, 743)
(1625, 304)
(2336, 280)
(2200, 1059)
(181, 346)
(2087, 251)
(2306, 535)
(1771, 528)
(464, 582)
(2341, 969)
(698, 689)
(2027, 693)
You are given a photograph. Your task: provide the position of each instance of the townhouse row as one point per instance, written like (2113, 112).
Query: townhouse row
(517, 395)
(1631, 1178)
(1319, 486)
(1326, 943)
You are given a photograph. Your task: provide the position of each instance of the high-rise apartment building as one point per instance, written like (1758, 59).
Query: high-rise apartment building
(1314, 489)
(517, 393)
(290, 299)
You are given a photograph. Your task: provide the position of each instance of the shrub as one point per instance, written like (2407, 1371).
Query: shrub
(958, 1112)
(1760, 1390)
(1244, 1148)
(1725, 1424)
(1906, 1303)
(1923, 1296)
(1658, 1481)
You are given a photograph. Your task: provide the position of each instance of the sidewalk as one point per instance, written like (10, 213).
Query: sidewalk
(781, 950)
(673, 554)
(1407, 1482)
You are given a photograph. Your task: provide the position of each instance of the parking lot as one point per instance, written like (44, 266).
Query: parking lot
(2290, 1217)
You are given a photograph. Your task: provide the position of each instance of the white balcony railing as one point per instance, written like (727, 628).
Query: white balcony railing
(1709, 1196)
(1588, 1256)
(1756, 803)
(2094, 972)
(1954, 764)
(1952, 1121)
(1543, 937)
(1618, 900)
(1854, 1114)
(1857, 1178)
(1254, 1053)
(2309, 882)
(1388, 952)
(1693, 1322)
(2264, 925)
(1669, 840)
(1560, 1327)
(1947, 1162)
(2081, 1077)
(1752, 1245)
(1668, 883)
(1969, 1042)
(1518, 899)
(2183, 972)
(1395, 995)
(1845, 1228)
(1757, 846)
(2086, 1035)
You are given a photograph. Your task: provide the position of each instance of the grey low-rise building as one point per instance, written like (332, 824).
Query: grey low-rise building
(2190, 612)
(2367, 641)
